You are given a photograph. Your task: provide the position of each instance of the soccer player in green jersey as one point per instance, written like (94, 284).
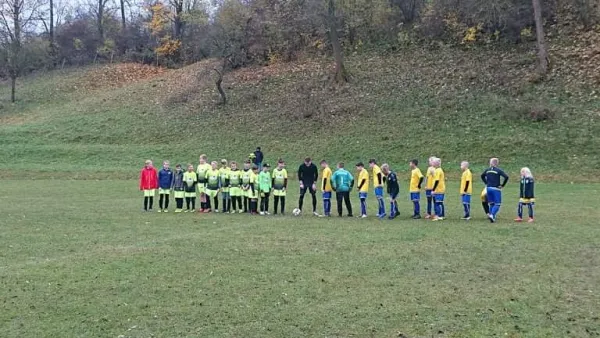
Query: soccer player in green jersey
(280, 180)
(203, 167)
(342, 183)
(264, 185)
(235, 187)
(253, 192)
(246, 176)
(224, 177)
(213, 184)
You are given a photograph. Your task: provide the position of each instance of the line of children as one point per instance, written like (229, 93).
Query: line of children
(248, 191)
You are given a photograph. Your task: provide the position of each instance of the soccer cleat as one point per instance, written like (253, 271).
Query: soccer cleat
(217, 211)
(206, 211)
(382, 216)
(468, 218)
(159, 210)
(315, 214)
(363, 216)
(166, 210)
(267, 213)
(200, 210)
(530, 220)
(262, 213)
(437, 219)
(416, 217)
(492, 218)
(240, 211)
(187, 210)
(193, 210)
(349, 215)
(518, 220)
(177, 211)
(428, 216)
(392, 217)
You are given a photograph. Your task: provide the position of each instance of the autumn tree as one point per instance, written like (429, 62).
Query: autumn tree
(341, 75)
(16, 18)
(541, 42)
(159, 25)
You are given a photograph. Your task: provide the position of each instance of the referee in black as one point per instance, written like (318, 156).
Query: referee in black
(308, 175)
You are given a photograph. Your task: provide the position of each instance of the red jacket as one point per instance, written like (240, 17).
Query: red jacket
(148, 179)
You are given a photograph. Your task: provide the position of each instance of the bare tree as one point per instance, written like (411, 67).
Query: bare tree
(100, 18)
(340, 70)
(123, 21)
(177, 19)
(219, 87)
(16, 16)
(541, 42)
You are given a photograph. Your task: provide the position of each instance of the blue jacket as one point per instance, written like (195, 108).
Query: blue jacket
(259, 157)
(165, 179)
(492, 177)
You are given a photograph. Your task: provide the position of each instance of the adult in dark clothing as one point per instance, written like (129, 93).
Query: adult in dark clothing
(308, 175)
(258, 158)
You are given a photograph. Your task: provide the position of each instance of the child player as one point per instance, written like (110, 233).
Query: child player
(326, 188)
(378, 180)
(253, 191)
(466, 189)
(213, 184)
(190, 180)
(526, 195)
(264, 186)
(235, 190)
(148, 184)
(363, 188)
(224, 177)
(246, 176)
(165, 181)
(416, 179)
(203, 167)
(429, 186)
(178, 188)
(439, 190)
(393, 189)
(280, 180)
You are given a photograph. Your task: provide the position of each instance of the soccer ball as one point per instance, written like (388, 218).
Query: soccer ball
(296, 212)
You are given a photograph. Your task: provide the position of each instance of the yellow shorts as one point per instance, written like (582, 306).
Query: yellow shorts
(253, 195)
(189, 194)
(211, 193)
(149, 192)
(224, 189)
(235, 191)
(279, 192)
(527, 200)
(201, 188)
(484, 195)
(179, 194)
(164, 191)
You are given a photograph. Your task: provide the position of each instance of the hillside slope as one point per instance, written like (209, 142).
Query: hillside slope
(104, 121)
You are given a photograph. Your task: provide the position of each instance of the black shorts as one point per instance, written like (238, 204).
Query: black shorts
(309, 188)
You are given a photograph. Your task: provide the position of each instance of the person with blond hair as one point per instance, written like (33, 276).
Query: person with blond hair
(439, 190)
(212, 186)
(466, 189)
(495, 180)
(526, 195)
(148, 184)
(429, 186)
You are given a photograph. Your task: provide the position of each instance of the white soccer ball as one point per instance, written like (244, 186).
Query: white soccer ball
(296, 212)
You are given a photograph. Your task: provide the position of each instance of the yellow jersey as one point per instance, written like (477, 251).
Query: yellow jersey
(439, 176)
(363, 175)
(430, 178)
(201, 171)
(279, 176)
(376, 174)
(326, 186)
(467, 176)
(415, 177)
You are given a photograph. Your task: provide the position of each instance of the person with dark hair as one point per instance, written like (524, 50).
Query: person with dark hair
(342, 183)
(308, 175)
(416, 180)
(258, 158)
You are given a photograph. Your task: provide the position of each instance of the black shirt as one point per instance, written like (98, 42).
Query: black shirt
(308, 174)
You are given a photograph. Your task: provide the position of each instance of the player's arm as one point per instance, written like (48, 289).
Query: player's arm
(467, 183)
(351, 181)
(421, 179)
(437, 181)
(362, 183)
(484, 177)
(380, 178)
(324, 183)
(285, 181)
(504, 176)
(300, 174)
(142, 180)
(316, 173)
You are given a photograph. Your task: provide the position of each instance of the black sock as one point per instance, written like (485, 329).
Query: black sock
(239, 201)
(314, 202)
(179, 203)
(234, 202)
(146, 202)
(150, 202)
(207, 203)
(188, 200)
(216, 199)
(193, 203)
(245, 204)
(301, 202)
(166, 201)
(161, 197)
(275, 204)
(229, 204)
(486, 207)
(282, 204)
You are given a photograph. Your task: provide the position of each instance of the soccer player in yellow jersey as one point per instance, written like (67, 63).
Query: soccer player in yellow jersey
(213, 184)
(429, 186)
(439, 190)
(224, 176)
(280, 180)
(416, 179)
(326, 188)
(363, 188)
(378, 180)
(203, 167)
(466, 189)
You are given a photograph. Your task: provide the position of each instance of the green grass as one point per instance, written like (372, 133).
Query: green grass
(398, 107)
(79, 259)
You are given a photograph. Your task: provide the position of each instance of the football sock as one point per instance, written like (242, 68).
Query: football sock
(530, 207)
(193, 203)
(188, 201)
(437, 209)
(314, 202)
(207, 203)
(166, 201)
(145, 203)
(486, 207)
(161, 198)
(150, 202)
(326, 206)
(392, 209)
(467, 208)
(417, 207)
(245, 204)
(443, 209)
(179, 202)
(224, 204)
(282, 204)
(520, 210)
(429, 204)
(301, 201)
(275, 204)
(495, 209)
(381, 205)
(363, 206)
(228, 204)
(216, 199)
(234, 203)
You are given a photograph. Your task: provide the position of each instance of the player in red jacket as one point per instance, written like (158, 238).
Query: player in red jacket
(148, 184)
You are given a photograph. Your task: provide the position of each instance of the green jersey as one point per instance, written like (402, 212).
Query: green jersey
(342, 180)
(235, 178)
(246, 175)
(279, 178)
(264, 181)
(213, 178)
(201, 171)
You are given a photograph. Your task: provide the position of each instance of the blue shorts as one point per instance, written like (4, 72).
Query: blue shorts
(326, 195)
(362, 195)
(466, 198)
(415, 196)
(428, 193)
(494, 195)
(439, 197)
(378, 192)
(394, 195)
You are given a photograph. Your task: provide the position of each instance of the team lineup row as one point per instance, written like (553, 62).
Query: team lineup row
(248, 189)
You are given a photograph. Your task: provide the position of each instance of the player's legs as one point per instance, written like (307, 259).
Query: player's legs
(146, 203)
(327, 203)
(161, 198)
(466, 201)
(363, 203)
(530, 209)
(267, 197)
(380, 201)
(339, 196)
(313, 193)
(348, 202)
(429, 203)
(275, 203)
(301, 198)
(415, 198)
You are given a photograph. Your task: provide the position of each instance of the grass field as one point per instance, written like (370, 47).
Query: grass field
(79, 259)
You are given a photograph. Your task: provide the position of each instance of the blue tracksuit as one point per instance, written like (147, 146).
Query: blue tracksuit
(495, 179)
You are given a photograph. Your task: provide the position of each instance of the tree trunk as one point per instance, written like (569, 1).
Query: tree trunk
(219, 87)
(541, 43)
(13, 88)
(340, 70)
(51, 29)
(100, 19)
(177, 22)
(123, 21)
